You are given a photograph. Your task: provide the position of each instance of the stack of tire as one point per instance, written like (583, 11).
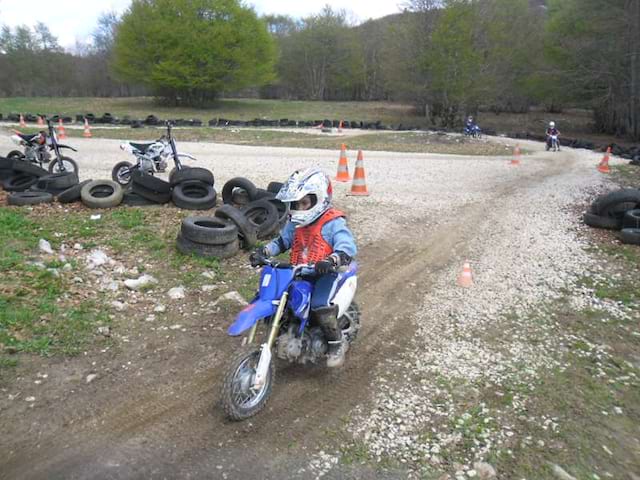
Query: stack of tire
(193, 188)
(617, 210)
(210, 237)
(150, 188)
(19, 175)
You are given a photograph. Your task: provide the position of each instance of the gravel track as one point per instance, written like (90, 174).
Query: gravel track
(425, 215)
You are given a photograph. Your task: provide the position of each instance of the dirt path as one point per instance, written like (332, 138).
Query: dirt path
(173, 428)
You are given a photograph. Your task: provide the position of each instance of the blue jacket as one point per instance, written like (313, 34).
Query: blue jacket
(335, 232)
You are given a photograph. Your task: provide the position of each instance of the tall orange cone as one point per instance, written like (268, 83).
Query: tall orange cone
(22, 122)
(516, 156)
(62, 135)
(359, 185)
(40, 121)
(603, 166)
(343, 166)
(87, 129)
(465, 279)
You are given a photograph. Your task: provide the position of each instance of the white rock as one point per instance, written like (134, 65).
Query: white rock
(91, 377)
(175, 327)
(176, 293)
(484, 470)
(97, 216)
(77, 246)
(208, 288)
(139, 283)
(119, 306)
(104, 331)
(150, 318)
(67, 267)
(561, 474)
(234, 296)
(160, 308)
(209, 274)
(96, 258)
(30, 399)
(45, 246)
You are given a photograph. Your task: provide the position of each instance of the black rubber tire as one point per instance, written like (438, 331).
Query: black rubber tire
(598, 221)
(209, 230)
(283, 211)
(29, 169)
(174, 170)
(6, 173)
(149, 182)
(111, 190)
(57, 181)
(194, 195)
(263, 214)
(70, 165)
(155, 197)
(247, 231)
(238, 182)
(123, 180)
(19, 182)
(630, 236)
(187, 247)
(71, 194)
(260, 193)
(15, 155)
(29, 198)
(631, 219)
(274, 187)
(132, 199)
(227, 400)
(615, 204)
(195, 173)
(6, 163)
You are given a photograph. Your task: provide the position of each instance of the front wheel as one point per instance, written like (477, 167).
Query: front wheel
(121, 173)
(15, 155)
(239, 399)
(64, 164)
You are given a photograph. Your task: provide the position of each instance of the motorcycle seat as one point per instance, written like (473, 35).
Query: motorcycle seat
(29, 137)
(141, 147)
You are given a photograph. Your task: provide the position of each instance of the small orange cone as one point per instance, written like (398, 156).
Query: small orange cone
(359, 185)
(62, 135)
(343, 166)
(22, 122)
(87, 129)
(516, 156)
(40, 121)
(465, 279)
(603, 166)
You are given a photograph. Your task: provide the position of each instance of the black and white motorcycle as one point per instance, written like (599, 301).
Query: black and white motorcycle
(38, 147)
(151, 158)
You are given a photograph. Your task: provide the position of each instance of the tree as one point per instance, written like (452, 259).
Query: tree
(191, 51)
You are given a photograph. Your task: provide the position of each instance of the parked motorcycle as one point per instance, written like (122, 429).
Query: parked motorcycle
(37, 148)
(151, 157)
(283, 305)
(553, 143)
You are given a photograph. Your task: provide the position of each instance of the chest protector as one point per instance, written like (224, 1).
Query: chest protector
(308, 244)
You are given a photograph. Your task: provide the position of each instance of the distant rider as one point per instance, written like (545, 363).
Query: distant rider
(552, 130)
(317, 233)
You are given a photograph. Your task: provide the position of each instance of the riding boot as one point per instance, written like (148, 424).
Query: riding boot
(327, 318)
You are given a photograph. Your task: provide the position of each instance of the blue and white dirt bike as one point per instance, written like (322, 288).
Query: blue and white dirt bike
(283, 305)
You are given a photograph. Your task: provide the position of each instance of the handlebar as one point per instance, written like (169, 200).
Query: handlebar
(309, 267)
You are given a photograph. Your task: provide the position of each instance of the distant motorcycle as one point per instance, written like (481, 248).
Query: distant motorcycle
(151, 158)
(553, 143)
(473, 131)
(37, 148)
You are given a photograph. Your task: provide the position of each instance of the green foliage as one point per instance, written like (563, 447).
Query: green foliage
(190, 51)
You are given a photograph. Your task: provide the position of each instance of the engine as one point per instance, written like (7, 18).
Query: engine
(310, 347)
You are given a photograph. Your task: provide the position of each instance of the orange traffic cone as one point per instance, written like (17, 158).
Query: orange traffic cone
(359, 185)
(22, 122)
(40, 121)
(343, 166)
(465, 279)
(603, 166)
(87, 130)
(62, 135)
(516, 156)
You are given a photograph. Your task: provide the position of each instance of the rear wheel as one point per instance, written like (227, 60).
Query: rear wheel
(239, 399)
(68, 165)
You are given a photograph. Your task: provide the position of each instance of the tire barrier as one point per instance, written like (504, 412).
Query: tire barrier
(615, 210)
(29, 198)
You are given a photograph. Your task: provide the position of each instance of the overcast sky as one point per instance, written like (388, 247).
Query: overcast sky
(72, 20)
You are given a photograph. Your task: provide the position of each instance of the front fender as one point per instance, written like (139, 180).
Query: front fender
(67, 146)
(250, 315)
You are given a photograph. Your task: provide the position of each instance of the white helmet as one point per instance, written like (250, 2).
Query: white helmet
(314, 182)
(552, 124)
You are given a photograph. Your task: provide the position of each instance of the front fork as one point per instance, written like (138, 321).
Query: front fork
(265, 352)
